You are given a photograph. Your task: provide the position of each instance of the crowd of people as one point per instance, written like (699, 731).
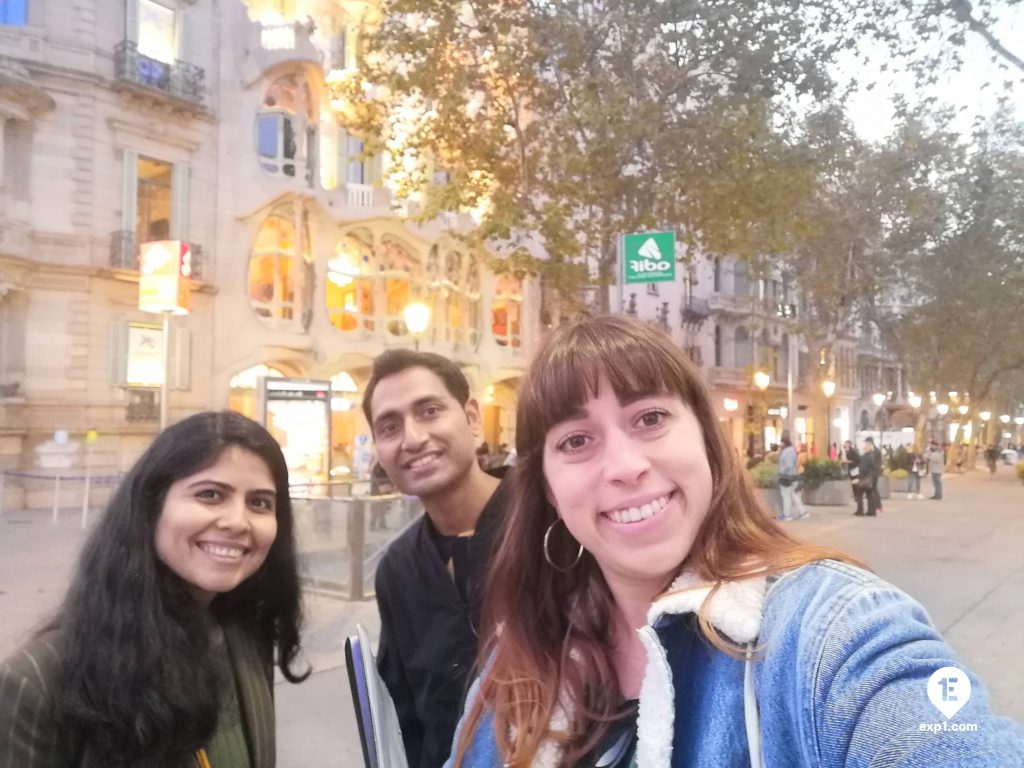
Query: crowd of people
(620, 597)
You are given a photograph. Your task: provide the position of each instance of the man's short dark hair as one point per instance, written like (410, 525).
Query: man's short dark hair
(397, 360)
(870, 440)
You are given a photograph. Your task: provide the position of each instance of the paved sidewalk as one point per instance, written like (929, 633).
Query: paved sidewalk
(962, 558)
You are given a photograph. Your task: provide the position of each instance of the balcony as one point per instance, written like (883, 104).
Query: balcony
(735, 377)
(695, 355)
(694, 312)
(359, 195)
(143, 406)
(124, 254)
(180, 83)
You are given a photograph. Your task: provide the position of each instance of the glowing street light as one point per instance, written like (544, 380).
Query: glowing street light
(417, 318)
(1005, 418)
(762, 380)
(942, 408)
(964, 409)
(985, 415)
(914, 400)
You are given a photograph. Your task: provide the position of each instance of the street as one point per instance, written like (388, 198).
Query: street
(962, 558)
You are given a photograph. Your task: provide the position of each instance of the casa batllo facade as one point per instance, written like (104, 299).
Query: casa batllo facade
(127, 121)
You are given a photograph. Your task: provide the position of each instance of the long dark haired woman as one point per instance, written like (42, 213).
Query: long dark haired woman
(161, 654)
(645, 608)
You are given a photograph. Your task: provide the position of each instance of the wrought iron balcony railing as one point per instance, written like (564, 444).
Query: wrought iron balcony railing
(124, 254)
(180, 80)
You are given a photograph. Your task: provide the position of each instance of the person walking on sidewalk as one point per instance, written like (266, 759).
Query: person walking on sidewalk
(936, 461)
(789, 479)
(430, 582)
(867, 479)
(917, 463)
(851, 461)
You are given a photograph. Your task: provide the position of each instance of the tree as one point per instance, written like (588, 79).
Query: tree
(565, 125)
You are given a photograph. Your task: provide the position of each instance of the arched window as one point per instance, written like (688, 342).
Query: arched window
(286, 129)
(506, 311)
(742, 348)
(279, 283)
(740, 280)
(242, 388)
(348, 288)
(403, 284)
(718, 346)
(718, 274)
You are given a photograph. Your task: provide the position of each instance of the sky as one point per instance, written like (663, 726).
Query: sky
(871, 110)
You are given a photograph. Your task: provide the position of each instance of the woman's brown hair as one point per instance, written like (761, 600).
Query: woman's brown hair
(547, 641)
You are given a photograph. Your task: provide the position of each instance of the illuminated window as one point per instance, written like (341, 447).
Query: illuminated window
(506, 311)
(275, 269)
(157, 32)
(349, 285)
(154, 196)
(242, 388)
(400, 273)
(286, 138)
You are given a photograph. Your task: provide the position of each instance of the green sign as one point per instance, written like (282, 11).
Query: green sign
(649, 257)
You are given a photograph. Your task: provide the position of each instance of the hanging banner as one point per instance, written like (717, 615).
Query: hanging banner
(165, 277)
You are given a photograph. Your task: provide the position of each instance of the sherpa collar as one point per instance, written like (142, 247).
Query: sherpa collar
(736, 608)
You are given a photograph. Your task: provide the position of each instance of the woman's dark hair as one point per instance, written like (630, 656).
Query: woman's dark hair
(137, 681)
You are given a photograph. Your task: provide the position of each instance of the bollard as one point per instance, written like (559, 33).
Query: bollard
(56, 497)
(356, 545)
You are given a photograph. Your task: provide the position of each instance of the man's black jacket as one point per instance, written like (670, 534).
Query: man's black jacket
(428, 636)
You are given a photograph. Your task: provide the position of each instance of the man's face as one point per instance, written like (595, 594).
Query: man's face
(425, 440)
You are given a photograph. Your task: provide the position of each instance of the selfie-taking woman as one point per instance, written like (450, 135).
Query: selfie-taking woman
(161, 654)
(644, 608)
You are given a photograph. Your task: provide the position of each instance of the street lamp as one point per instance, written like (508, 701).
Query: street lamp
(985, 416)
(761, 381)
(417, 318)
(964, 409)
(829, 388)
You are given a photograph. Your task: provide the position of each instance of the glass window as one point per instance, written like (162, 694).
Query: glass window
(271, 275)
(154, 196)
(349, 285)
(14, 13)
(506, 311)
(286, 129)
(157, 32)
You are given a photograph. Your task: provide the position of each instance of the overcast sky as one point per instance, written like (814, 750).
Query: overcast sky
(872, 110)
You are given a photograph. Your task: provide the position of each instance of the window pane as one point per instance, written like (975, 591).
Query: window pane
(153, 208)
(267, 131)
(14, 13)
(156, 32)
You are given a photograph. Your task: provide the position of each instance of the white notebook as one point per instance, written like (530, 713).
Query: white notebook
(379, 731)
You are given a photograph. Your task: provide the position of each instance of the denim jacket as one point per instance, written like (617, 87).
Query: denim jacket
(838, 677)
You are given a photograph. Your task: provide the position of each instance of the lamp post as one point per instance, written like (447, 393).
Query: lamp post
(829, 388)
(984, 416)
(879, 400)
(761, 381)
(417, 318)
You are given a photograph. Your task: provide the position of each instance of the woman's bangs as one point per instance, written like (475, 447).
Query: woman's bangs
(566, 378)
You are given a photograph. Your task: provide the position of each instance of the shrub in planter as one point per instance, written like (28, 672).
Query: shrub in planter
(818, 471)
(899, 474)
(1020, 470)
(898, 480)
(765, 475)
(900, 459)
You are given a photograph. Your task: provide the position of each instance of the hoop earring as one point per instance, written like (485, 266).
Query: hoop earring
(547, 554)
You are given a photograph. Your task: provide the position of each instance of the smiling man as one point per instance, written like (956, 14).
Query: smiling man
(429, 584)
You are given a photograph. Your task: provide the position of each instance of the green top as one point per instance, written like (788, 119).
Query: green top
(228, 747)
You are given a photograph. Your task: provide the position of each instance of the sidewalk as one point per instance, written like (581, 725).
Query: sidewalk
(962, 558)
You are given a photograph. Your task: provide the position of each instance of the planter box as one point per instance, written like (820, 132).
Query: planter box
(773, 498)
(884, 487)
(899, 484)
(831, 493)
